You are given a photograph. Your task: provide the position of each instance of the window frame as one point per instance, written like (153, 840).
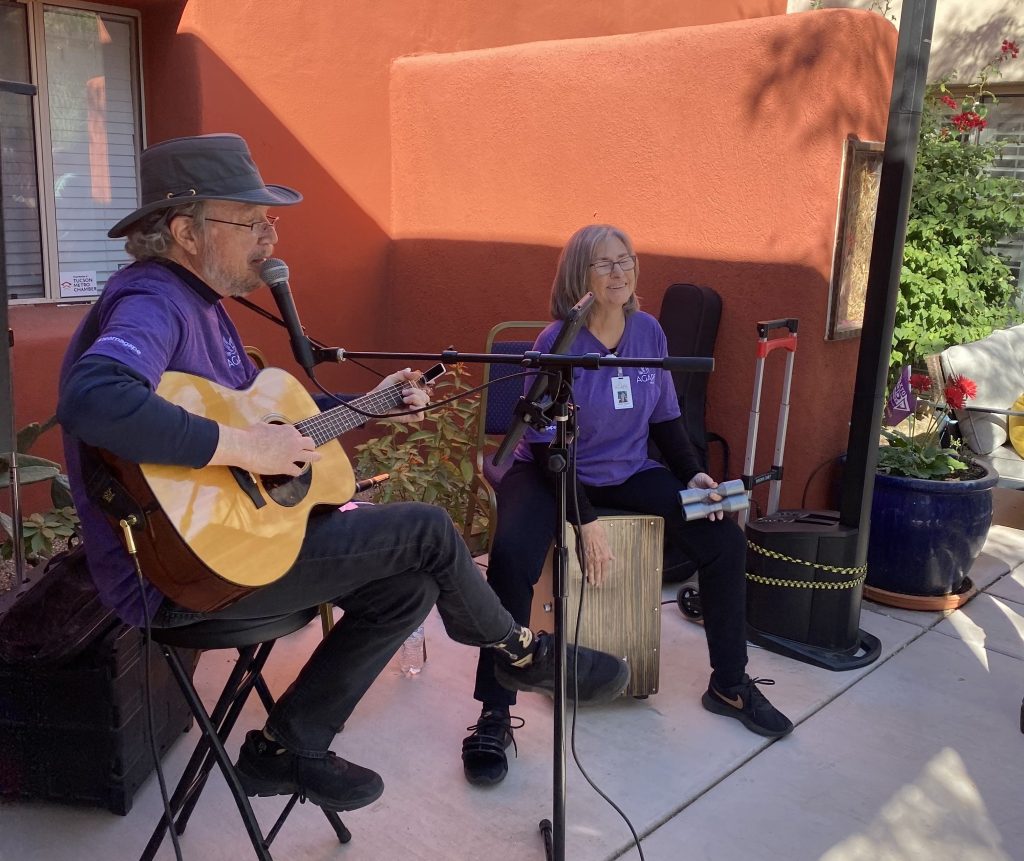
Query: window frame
(43, 134)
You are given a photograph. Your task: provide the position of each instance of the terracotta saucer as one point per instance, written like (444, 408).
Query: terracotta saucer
(923, 602)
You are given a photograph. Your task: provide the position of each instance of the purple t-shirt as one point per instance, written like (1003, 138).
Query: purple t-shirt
(151, 321)
(615, 405)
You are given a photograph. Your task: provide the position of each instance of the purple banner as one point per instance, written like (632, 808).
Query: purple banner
(901, 402)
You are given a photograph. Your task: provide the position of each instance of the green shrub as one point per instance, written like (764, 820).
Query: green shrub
(954, 288)
(431, 460)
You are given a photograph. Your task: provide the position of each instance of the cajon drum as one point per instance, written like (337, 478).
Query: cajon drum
(623, 617)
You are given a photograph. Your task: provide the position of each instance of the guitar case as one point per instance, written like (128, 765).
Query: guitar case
(690, 315)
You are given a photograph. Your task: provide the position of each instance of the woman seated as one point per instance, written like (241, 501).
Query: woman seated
(618, 410)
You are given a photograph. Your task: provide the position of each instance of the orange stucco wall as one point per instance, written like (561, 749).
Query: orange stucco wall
(718, 148)
(307, 83)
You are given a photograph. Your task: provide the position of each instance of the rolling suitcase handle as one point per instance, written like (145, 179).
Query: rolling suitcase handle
(765, 345)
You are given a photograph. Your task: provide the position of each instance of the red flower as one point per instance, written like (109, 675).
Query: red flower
(1010, 48)
(968, 120)
(949, 102)
(959, 390)
(920, 382)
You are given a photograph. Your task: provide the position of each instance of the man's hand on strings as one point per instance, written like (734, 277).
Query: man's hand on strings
(265, 449)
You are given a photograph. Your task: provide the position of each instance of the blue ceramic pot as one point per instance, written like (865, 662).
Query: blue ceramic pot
(925, 534)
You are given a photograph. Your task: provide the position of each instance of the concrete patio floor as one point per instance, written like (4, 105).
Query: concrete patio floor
(918, 756)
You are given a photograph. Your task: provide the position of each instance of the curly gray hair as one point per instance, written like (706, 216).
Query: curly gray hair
(150, 237)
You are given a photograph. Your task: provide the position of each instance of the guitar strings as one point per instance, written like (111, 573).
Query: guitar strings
(329, 425)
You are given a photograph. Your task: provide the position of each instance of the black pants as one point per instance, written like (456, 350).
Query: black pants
(526, 527)
(385, 566)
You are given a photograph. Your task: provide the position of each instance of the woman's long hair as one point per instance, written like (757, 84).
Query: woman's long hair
(573, 275)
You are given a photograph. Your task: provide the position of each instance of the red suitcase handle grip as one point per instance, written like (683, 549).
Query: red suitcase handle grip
(787, 342)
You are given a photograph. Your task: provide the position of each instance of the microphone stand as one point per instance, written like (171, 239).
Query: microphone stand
(558, 411)
(532, 411)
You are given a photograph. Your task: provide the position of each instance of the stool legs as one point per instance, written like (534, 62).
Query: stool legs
(216, 727)
(198, 769)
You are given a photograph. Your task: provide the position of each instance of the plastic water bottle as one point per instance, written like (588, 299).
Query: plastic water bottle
(412, 654)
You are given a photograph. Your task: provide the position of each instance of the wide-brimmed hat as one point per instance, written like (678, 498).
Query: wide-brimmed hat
(204, 167)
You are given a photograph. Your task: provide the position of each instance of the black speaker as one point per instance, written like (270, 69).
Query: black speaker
(804, 591)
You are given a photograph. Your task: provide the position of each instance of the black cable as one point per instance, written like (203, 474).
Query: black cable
(148, 689)
(581, 558)
(252, 306)
(810, 478)
(435, 404)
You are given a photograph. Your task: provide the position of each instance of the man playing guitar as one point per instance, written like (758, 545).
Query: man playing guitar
(202, 234)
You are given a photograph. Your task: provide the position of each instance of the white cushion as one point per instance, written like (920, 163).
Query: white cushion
(996, 364)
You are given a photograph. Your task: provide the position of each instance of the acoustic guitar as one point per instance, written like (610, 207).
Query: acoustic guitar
(212, 535)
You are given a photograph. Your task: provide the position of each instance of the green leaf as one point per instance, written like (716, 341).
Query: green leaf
(31, 469)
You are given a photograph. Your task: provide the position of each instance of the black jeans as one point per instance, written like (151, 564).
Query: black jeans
(385, 566)
(526, 527)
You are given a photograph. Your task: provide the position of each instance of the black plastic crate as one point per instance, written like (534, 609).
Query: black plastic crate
(78, 732)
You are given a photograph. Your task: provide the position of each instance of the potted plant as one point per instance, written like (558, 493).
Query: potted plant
(931, 509)
(43, 532)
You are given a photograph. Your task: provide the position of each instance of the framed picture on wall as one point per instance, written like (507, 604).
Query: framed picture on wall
(858, 200)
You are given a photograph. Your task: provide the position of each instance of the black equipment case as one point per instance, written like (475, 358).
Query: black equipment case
(803, 587)
(72, 697)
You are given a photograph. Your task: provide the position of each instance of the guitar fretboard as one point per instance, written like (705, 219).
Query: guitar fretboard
(331, 424)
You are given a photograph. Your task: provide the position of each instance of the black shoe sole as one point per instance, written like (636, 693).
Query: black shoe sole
(508, 678)
(482, 778)
(712, 704)
(479, 774)
(265, 789)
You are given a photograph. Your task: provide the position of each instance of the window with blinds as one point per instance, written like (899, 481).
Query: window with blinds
(71, 173)
(1006, 123)
(23, 249)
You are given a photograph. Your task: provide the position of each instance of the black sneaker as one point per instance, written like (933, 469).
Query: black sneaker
(602, 677)
(749, 706)
(265, 768)
(483, 753)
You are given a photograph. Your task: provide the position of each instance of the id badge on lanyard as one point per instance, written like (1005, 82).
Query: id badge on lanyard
(622, 395)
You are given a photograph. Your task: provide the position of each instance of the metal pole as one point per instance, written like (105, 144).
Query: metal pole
(8, 428)
(905, 107)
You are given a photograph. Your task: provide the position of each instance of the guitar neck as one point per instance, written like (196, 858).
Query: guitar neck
(332, 423)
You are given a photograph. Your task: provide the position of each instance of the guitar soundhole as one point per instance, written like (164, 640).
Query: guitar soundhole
(288, 490)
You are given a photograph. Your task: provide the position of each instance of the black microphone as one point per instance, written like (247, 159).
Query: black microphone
(274, 273)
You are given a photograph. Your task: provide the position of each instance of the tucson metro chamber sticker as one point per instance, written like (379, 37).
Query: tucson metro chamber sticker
(76, 284)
